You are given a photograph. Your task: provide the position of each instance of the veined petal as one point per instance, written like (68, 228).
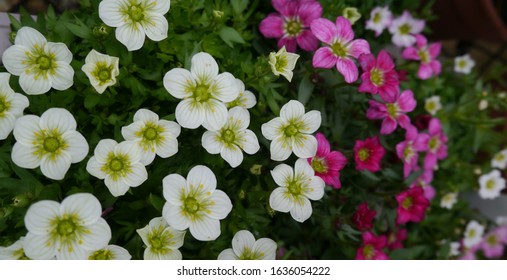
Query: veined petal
(232, 155)
(110, 12)
(174, 254)
(129, 132)
(77, 145)
(39, 216)
(227, 254)
(302, 210)
(348, 69)
(221, 206)
(174, 217)
(145, 115)
(149, 255)
(271, 129)
(315, 189)
(6, 124)
(84, 205)
(215, 114)
(158, 6)
(63, 78)
(103, 149)
(211, 143)
(131, 35)
(305, 146)
(344, 28)
(225, 88)
(170, 128)
(359, 47)
(29, 37)
(58, 118)
(99, 236)
(201, 175)
(55, 167)
(325, 30)
(242, 240)
(204, 67)
(324, 58)
(178, 82)
(311, 122)
(25, 129)
(190, 114)
(267, 247)
(282, 174)
(25, 156)
(129, 148)
(250, 143)
(95, 168)
(137, 175)
(279, 201)
(60, 51)
(280, 148)
(307, 41)
(205, 229)
(36, 246)
(272, 26)
(13, 58)
(34, 85)
(240, 117)
(303, 169)
(293, 110)
(156, 27)
(117, 187)
(168, 147)
(173, 185)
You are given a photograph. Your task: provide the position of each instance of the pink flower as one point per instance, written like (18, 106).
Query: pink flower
(371, 248)
(424, 181)
(379, 75)
(392, 112)
(493, 243)
(326, 163)
(436, 144)
(469, 253)
(341, 47)
(292, 24)
(403, 29)
(408, 150)
(368, 154)
(430, 66)
(363, 217)
(395, 239)
(411, 206)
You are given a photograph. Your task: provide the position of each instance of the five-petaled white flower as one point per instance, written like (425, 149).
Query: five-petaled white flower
(101, 69)
(110, 252)
(500, 159)
(297, 187)
(491, 185)
(246, 98)
(40, 65)
(403, 29)
(118, 164)
(283, 63)
(162, 241)
(203, 91)
(68, 230)
(448, 200)
(291, 132)
(473, 234)
(432, 104)
(135, 19)
(245, 247)
(195, 203)
(463, 64)
(380, 19)
(15, 251)
(232, 138)
(12, 105)
(152, 135)
(49, 141)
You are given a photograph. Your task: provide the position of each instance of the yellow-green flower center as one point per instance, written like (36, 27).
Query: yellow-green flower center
(408, 152)
(392, 110)
(377, 77)
(202, 93)
(430, 106)
(368, 251)
(295, 188)
(291, 130)
(498, 157)
(364, 154)
(159, 241)
(66, 227)
(150, 133)
(136, 13)
(404, 29)
(462, 63)
(492, 240)
(228, 136)
(20, 254)
(44, 62)
(51, 144)
(191, 205)
(101, 255)
(40, 63)
(103, 72)
(293, 28)
(4, 105)
(240, 101)
(117, 165)
(490, 184)
(377, 17)
(339, 49)
(248, 254)
(407, 203)
(471, 233)
(424, 55)
(281, 63)
(319, 165)
(434, 143)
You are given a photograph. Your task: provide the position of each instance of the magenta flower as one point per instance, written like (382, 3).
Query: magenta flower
(371, 248)
(326, 163)
(292, 24)
(368, 154)
(424, 181)
(408, 150)
(436, 144)
(379, 75)
(363, 217)
(493, 243)
(412, 206)
(341, 47)
(392, 113)
(395, 239)
(430, 66)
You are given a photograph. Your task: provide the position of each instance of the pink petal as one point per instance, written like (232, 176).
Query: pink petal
(336, 160)
(442, 152)
(287, 8)
(434, 50)
(406, 101)
(324, 30)
(420, 41)
(424, 72)
(429, 192)
(307, 41)
(411, 133)
(345, 32)
(358, 47)
(388, 126)
(366, 84)
(421, 143)
(384, 60)
(400, 148)
(376, 111)
(404, 121)
(272, 26)
(348, 69)
(324, 58)
(308, 11)
(367, 61)
(434, 127)
(436, 67)
(323, 147)
(389, 93)
(289, 43)
(410, 53)
(430, 160)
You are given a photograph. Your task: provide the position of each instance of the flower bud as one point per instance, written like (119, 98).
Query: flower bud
(256, 169)
(20, 200)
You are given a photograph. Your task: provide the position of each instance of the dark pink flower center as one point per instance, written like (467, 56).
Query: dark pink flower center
(364, 154)
(293, 27)
(377, 77)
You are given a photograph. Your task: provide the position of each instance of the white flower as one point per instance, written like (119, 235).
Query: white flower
(291, 132)
(162, 241)
(483, 105)
(491, 185)
(246, 98)
(245, 247)
(283, 63)
(352, 14)
(101, 69)
(232, 138)
(448, 200)
(12, 105)
(297, 186)
(473, 234)
(203, 91)
(404, 28)
(152, 135)
(433, 105)
(454, 249)
(68, 230)
(195, 203)
(463, 64)
(14, 252)
(118, 164)
(500, 160)
(49, 141)
(134, 19)
(380, 19)
(110, 252)
(40, 65)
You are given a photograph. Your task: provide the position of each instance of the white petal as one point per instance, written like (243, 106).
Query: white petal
(242, 240)
(156, 27)
(221, 206)
(179, 83)
(232, 154)
(305, 146)
(118, 252)
(279, 201)
(6, 125)
(174, 217)
(293, 110)
(302, 210)
(239, 116)
(315, 190)
(146, 116)
(110, 12)
(250, 142)
(103, 149)
(272, 129)
(173, 185)
(158, 6)
(131, 35)
(129, 132)
(211, 143)
(312, 121)
(55, 167)
(33, 85)
(168, 147)
(205, 229)
(147, 156)
(227, 254)
(99, 236)
(303, 169)
(18, 103)
(77, 145)
(60, 51)
(25, 129)
(201, 175)
(280, 148)
(282, 174)
(13, 58)
(189, 114)
(171, 255)
(129, 148)
(36, 247)
(58, 118)
(118, 187)
(215, 114)
(63, 77)
(250, 99)
(84, 205)
(225, 88)
(137, 175)
(25, 156)
(29, 37)
(178, 236)
(95, 168)
(204, 67)
(40, 215)
(149, 255)
(170, 127)
(267, 247)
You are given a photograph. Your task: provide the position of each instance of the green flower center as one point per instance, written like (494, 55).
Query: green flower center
(247, 254)
(462, 63)
(291, 130)
(228, 136)
(392, 110)
(377, 77)
(159, 240)
(150, 133)
(404, 29)
(499, 157)
(66, 227)
(202, 93)
(364, 154)
(136, 13)
(424, 55)
(104, 75)
(490, 184)
(471, 233)
(116, 164)
(44, 62)
(51, 144)
(319, 165)
(368, 251)
(101, 255)
(293, 28)
(4, 105)
(376, 17)
(408, 152)
(295, 188)
(281, 63)
(492, 240)
(407, 203)
(20, 254)
(434, 143)
(339, 49)
(191, 205)
(430, 106)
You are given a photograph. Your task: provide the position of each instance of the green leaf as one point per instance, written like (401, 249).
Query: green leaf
(80, 31)
(157, 202)
(305, 90)
(15, 23)
(239, 5)
(229, 35)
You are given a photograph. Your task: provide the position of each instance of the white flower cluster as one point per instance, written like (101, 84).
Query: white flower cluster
(492, 183)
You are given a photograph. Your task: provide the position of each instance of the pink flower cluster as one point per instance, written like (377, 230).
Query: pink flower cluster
(492, 245)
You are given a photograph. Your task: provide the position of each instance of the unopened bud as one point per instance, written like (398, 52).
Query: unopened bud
(218, 14)
(483, 104)
(20, 200)
(12, 36)
(101, 30)
(256, 169)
